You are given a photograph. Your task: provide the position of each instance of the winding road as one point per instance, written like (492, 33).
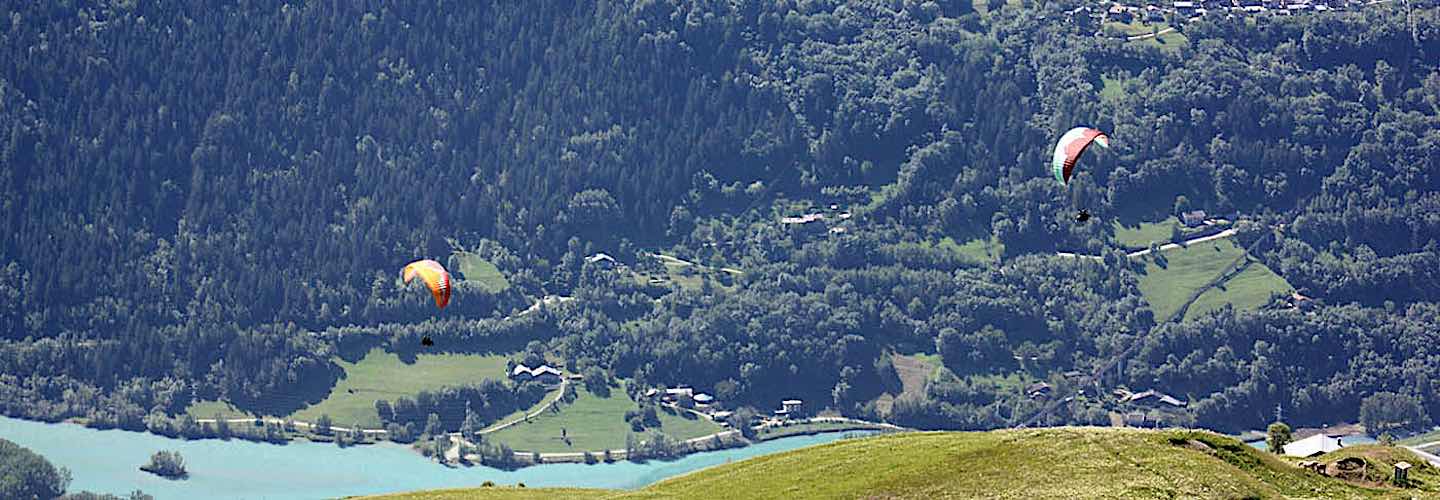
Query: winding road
(1429, 457)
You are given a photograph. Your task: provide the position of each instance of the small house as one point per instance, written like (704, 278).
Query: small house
(1193, 218)
(601, 259)
(651, 393)
(1153, 397)
(1300, 301)
(545, 374)
(1402, 472)
(1312, 446)
(704, 399)
(675, 393)
(1037, 390)
(790, 405)
(1119, 13)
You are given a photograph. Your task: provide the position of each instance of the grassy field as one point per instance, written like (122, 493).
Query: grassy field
(976, 250)
(592, 423)
(1139, 236)
(1187, 269)
(689, 276)
(209, 409)
(381, 375)
(1169, 41)
(1034, 463)
(475, 269)
(915, 371)
(1246, 291)
(1113, 89)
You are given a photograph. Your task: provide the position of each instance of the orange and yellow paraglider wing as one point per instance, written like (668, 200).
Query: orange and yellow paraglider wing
(436, 278)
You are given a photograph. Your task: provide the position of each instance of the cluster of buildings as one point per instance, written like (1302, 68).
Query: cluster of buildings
(708, 405)
(1155, 10)
(818, 218)
(1147, 408)
(703, 403)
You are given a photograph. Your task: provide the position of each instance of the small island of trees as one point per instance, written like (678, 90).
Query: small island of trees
(166, 464)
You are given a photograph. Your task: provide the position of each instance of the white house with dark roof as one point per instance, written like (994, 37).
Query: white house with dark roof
(544, 374)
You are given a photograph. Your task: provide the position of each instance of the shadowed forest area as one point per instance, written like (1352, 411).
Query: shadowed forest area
(213, 203)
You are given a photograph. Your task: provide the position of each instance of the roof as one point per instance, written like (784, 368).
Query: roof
(680, 390)
(703, 398)
(1037, 387)
(602, 256)
(1314, 445)
(1403, 465)
(803, 219)
(520, 369)
(544, 369)
(721, 414)
(1139, 396)
(1165, 398)
(1159, 396)
(652, 391)
(790, 402)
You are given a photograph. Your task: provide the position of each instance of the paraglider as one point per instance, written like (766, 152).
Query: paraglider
(1067, 155)
(436, 278)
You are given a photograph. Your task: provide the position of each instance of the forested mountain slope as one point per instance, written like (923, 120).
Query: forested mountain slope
(212, 202)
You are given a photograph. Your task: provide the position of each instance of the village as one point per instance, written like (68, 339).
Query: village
(1155, 11)
(680, 398)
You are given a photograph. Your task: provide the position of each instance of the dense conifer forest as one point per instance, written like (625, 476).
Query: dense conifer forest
(208, 201)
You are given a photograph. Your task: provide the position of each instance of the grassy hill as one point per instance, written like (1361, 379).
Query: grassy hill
(1033, 463)
(1185, 270)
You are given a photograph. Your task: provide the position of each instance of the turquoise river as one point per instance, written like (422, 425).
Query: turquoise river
(108, 462)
